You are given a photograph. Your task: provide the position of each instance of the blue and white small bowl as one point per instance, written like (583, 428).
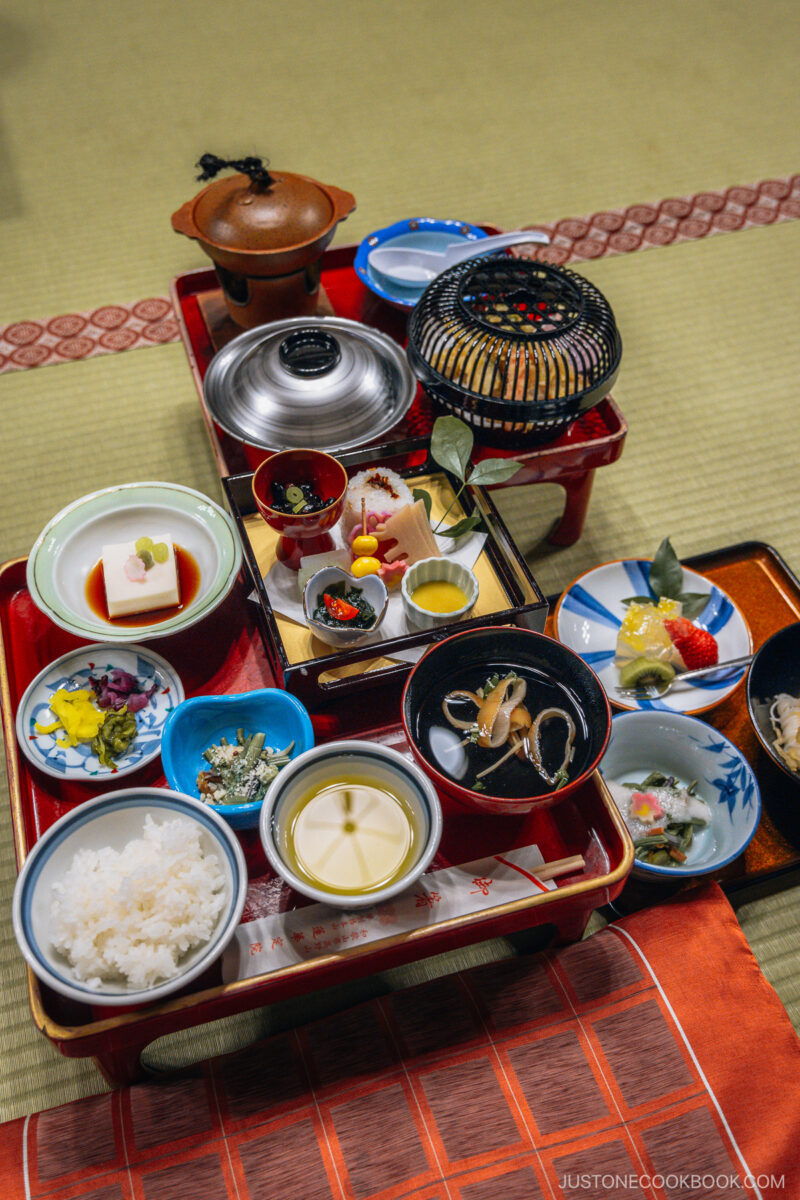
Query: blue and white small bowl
(689, 749)
(72, 671)
(588, 618)
(418, 233)
(114, 820)
(202, 721)
(434, 570)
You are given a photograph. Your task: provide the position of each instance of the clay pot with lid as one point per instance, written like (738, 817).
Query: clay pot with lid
(265, 232)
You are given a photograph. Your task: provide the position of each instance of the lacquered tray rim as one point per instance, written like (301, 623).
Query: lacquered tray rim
(595, 883)
(337, 258)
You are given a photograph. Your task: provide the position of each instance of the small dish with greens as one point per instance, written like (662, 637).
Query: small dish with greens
(226, 750)
(687, 794)
(341, 610)
(662, 815)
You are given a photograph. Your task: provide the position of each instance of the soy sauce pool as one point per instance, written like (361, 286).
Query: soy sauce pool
(188, 587)
(515, 778)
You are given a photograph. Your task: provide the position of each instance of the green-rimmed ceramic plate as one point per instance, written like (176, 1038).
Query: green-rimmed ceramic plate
(71, 544)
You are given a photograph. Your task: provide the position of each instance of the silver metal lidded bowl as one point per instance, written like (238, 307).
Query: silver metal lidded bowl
(323, 382)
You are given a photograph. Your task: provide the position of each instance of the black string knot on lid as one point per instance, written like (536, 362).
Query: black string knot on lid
(255, 168)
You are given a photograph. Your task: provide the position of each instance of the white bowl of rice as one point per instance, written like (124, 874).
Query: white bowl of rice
(129, 897)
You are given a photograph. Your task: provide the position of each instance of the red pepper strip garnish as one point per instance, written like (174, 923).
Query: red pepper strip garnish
(339, 609)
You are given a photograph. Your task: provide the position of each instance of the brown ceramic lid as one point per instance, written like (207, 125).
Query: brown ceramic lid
(290, 211)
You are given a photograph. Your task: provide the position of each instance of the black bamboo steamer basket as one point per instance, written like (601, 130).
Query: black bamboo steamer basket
(517, 349)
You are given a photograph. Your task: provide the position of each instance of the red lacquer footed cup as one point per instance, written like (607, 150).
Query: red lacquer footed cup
(301, 533)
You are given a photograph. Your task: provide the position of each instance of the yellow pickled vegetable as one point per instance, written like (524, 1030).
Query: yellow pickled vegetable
(77, 715)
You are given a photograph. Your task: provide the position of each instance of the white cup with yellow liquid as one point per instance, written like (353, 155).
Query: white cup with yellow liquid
(350, 823)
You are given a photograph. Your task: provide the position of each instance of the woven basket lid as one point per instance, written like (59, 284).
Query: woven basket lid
(515, 339)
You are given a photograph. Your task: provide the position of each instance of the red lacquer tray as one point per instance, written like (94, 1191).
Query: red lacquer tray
(233, 660)
(594, 440)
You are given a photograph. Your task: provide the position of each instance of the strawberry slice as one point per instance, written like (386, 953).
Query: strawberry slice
(697, 647)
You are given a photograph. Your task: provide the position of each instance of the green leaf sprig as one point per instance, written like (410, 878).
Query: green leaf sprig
(451, 447)
(666, 579)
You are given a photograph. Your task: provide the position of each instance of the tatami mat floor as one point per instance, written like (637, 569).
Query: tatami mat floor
(493, 111)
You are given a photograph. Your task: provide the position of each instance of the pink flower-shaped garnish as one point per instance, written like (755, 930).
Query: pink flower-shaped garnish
(646, 807)
(392, 573)
(134, 569)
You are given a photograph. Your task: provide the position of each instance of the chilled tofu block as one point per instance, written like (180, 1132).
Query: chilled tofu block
(137, 584)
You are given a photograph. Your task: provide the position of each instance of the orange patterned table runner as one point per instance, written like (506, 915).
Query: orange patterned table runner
(651, 1062)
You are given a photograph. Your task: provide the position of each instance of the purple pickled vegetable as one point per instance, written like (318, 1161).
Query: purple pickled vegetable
(119, 688)
(140, 699)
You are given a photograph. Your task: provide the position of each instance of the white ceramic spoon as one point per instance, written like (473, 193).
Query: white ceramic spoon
(403, 264)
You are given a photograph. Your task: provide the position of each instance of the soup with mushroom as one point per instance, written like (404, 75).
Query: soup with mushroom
(512, 733)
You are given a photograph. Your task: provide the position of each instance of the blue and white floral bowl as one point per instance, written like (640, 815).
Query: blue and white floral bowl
(72, 671)
(589, 614)
(689, 749)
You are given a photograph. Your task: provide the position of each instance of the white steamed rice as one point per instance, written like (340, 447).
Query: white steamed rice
(133, 914)
(384, 491)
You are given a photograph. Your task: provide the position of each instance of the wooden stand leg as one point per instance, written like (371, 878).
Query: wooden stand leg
(571, 927)
(578, 489)
(123, 1066)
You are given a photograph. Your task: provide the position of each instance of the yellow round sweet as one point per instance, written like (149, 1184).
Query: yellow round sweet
(365, 544)
(365, 565)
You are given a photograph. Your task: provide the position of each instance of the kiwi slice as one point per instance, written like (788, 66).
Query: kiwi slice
(645, 670)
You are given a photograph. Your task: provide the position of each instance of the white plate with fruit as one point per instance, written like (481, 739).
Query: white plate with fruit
(638, 621)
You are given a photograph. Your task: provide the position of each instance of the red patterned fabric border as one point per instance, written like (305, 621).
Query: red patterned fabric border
(105, 330)
(116, 327)
(687, 219)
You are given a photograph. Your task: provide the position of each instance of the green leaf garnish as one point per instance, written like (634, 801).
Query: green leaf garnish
(666, 579)
(461, 527)
(493, 470)
(451, 445)
(693, 603)
(425, 497)
(638, 600)
(666, 572)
